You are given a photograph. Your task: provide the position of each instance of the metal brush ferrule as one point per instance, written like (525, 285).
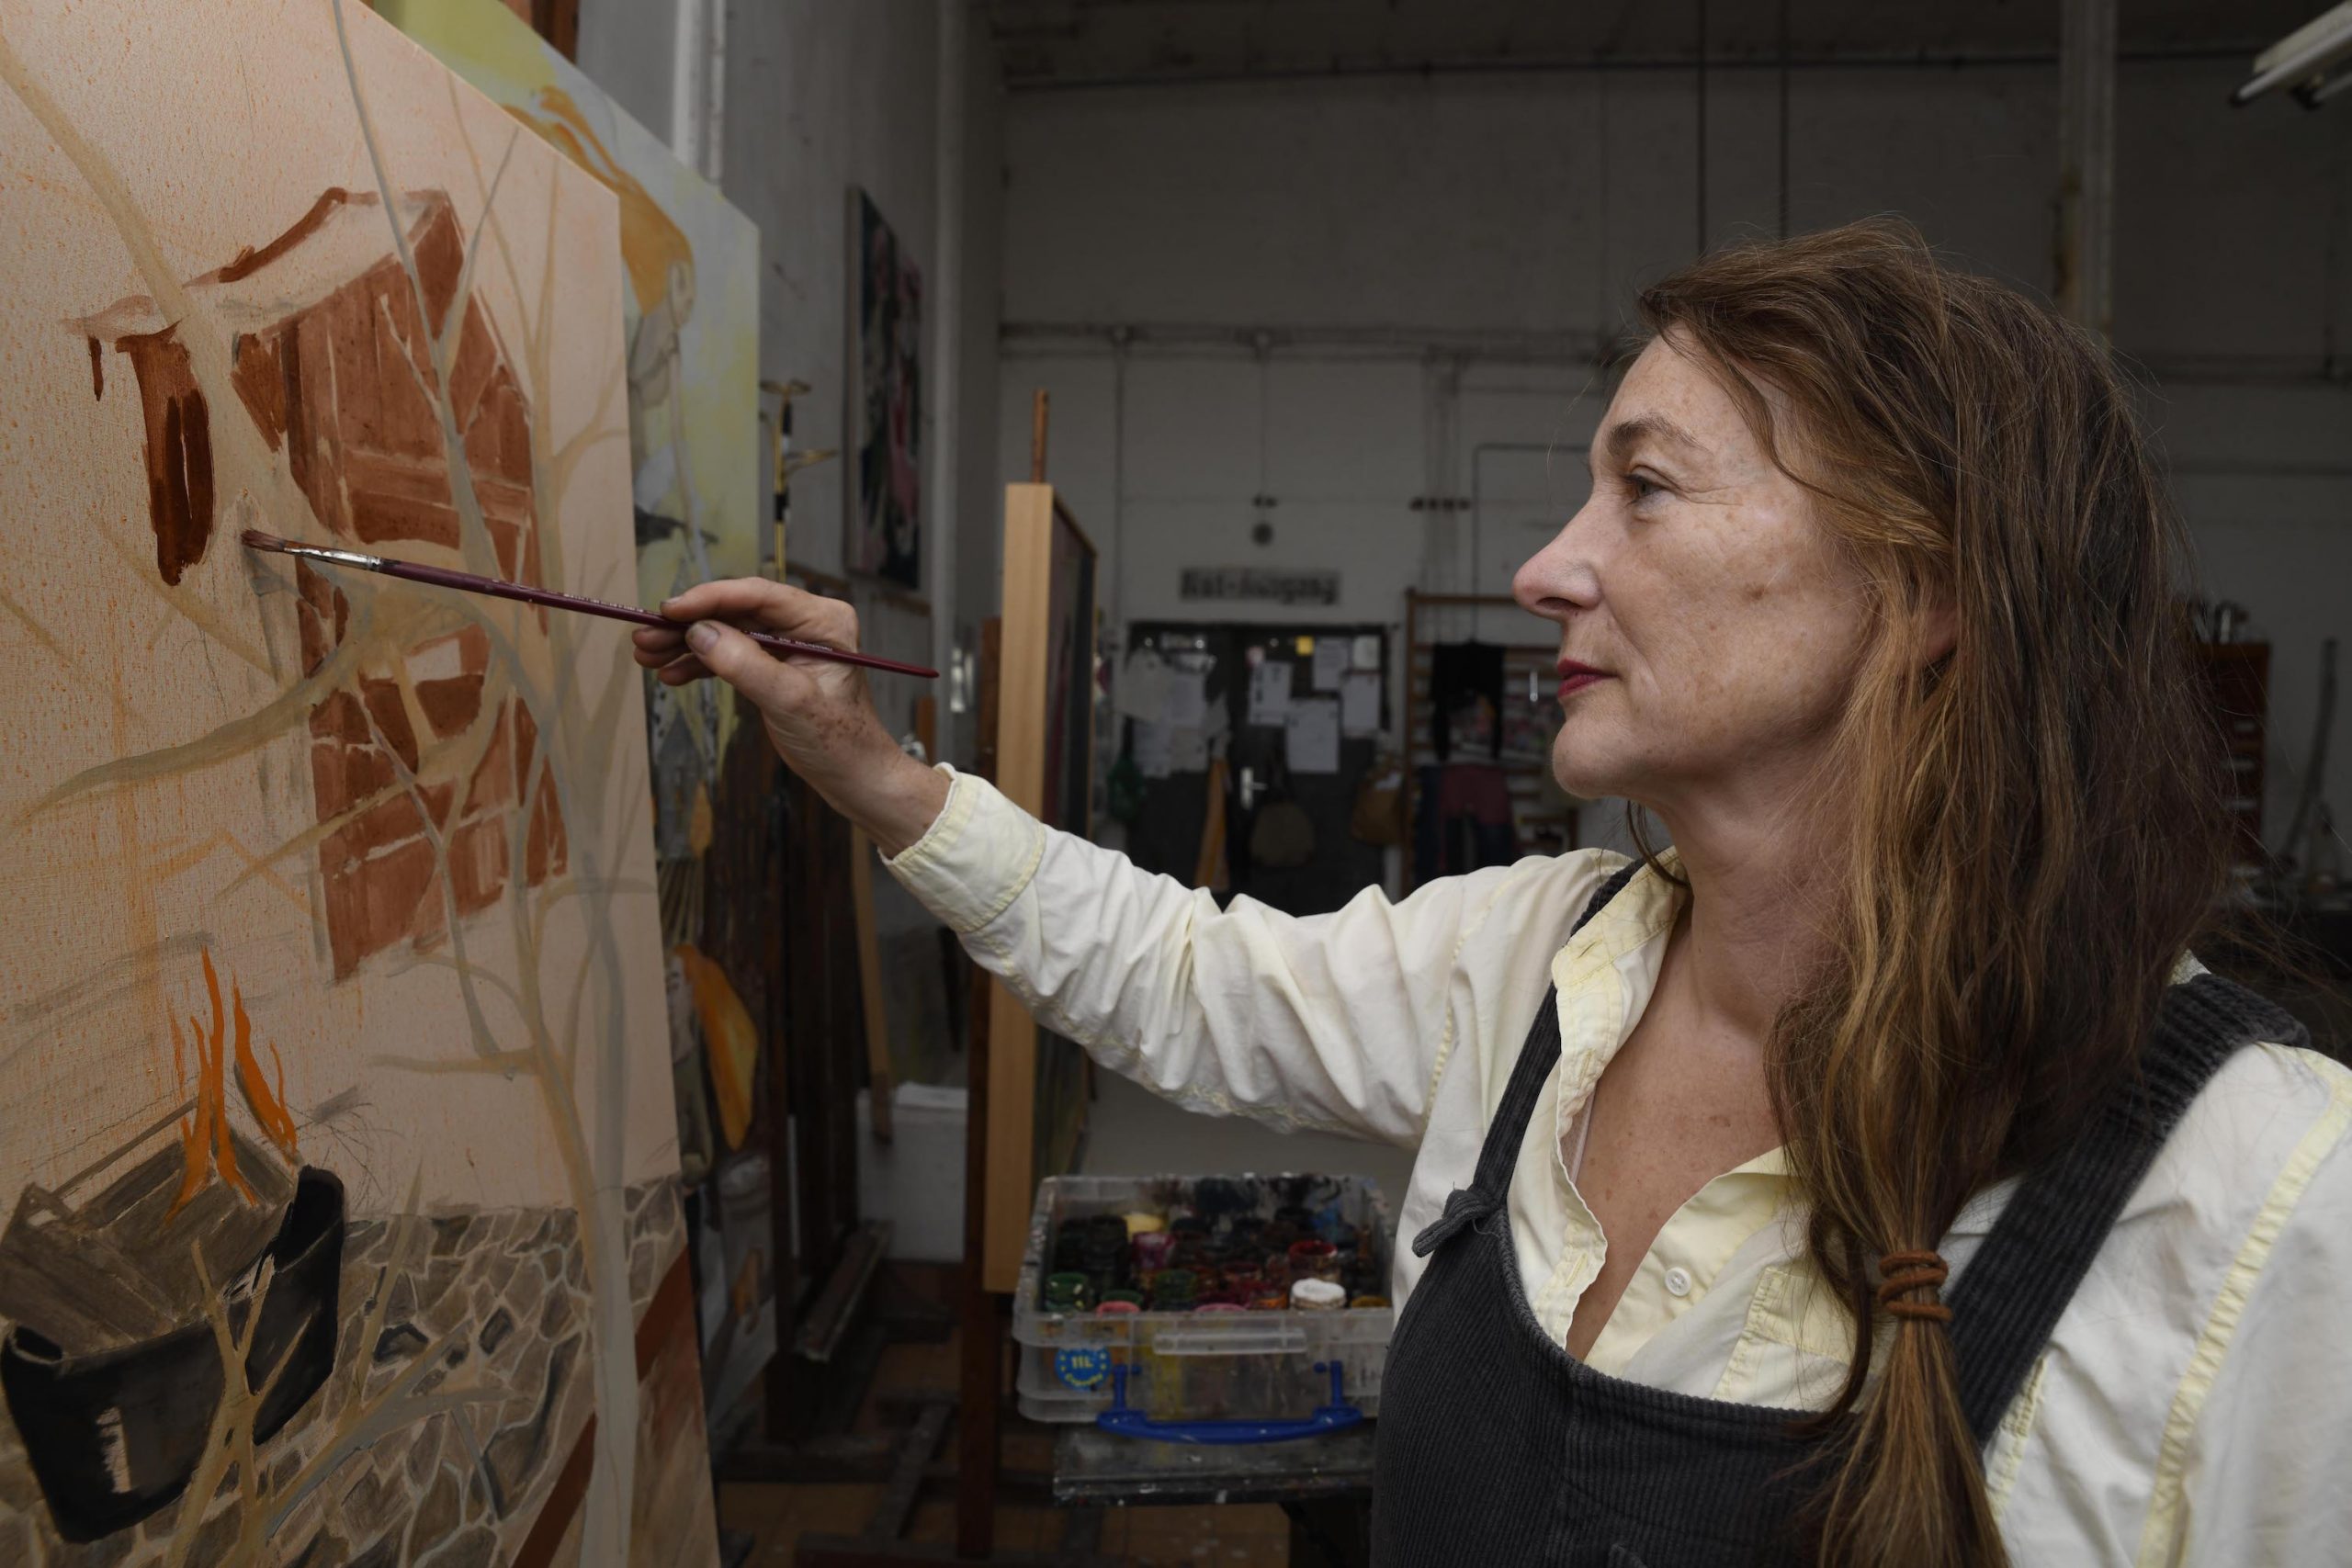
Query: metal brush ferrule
(338, 557)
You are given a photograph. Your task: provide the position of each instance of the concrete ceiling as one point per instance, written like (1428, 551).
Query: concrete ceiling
(1063, 43)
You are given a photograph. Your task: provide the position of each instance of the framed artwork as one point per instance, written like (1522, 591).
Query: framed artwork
(339, 1212)
(884, 489)
(690, 265)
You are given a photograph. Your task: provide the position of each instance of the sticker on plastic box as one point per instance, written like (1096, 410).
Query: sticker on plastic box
(1082, 1366)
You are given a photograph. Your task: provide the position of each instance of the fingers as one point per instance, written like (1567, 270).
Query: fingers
(773, 606)
(721, 650)
(655, 646)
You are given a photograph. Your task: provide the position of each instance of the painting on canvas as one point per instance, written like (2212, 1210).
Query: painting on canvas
(338, 1199)
(691, 316)
(884, 487)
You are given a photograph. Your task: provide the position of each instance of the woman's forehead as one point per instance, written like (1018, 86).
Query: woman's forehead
(1672, 403)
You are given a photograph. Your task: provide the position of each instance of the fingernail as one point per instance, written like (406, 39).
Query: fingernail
(701, 635)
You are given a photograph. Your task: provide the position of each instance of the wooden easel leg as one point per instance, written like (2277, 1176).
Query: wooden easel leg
(982, 1314)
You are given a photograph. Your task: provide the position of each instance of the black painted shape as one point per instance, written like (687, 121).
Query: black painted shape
(112, 1438)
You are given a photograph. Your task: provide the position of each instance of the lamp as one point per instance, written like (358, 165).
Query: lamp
(2309, 57)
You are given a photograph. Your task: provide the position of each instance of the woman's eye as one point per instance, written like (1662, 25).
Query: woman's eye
(1643, 487)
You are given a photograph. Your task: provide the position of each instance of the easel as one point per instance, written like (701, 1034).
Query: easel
(982, 1311)
(819, 1377)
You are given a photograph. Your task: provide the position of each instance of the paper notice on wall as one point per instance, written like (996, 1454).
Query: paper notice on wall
(1311, 735)
(1144, 683)
(1188, 698)
(1367, 651)
(1188, 751)
(1270, 692)
(1154, 744)
(1334, 657)
(1360, 702)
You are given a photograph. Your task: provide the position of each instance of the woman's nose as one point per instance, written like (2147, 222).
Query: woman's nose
(1557, 579)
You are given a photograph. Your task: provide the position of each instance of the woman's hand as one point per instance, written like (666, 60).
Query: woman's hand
(818, 711)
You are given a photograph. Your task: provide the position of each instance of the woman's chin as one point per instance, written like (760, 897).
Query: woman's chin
(1586, 782)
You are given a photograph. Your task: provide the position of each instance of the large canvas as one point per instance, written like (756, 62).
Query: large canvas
(338, 1199)
(885, 491)
(691, 314)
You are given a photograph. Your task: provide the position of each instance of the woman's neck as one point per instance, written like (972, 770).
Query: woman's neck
(1752, 926)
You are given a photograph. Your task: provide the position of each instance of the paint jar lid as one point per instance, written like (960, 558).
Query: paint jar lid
(1317, 1295)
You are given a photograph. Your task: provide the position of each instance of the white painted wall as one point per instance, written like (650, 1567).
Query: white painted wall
(1433, 257)
(819, 97)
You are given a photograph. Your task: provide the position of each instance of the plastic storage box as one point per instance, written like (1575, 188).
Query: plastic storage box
(1203, 1376)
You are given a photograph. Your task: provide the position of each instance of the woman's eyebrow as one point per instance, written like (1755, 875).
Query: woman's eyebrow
(1625, 438)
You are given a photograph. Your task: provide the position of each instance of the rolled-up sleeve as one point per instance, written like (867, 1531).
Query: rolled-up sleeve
(2259, 1452)
(1330, 1022)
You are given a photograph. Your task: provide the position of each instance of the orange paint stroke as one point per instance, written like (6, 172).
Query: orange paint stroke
(196, 1138)
(212, 983)
(206, 1140)
(268, 1110)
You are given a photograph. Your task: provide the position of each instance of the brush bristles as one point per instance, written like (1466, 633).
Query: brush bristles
(257, 540)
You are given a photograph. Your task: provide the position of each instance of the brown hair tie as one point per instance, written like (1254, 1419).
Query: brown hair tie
(1904, 1272)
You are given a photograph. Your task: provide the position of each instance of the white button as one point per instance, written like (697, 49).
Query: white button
(1678, 1281)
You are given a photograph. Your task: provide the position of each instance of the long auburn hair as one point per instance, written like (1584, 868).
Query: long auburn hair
(2035, 830)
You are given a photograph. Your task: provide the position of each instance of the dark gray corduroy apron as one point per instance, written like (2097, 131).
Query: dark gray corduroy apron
(1496, 1447)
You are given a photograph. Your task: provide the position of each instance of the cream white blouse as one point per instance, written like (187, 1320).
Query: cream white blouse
(2194, 1404)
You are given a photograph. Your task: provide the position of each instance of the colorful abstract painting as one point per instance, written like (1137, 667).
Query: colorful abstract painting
(691, 313)
(339, 1202)
(885, 495)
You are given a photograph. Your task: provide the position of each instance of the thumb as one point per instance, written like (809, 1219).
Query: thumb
(741, 663)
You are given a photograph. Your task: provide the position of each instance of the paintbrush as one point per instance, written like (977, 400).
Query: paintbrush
(467, 582)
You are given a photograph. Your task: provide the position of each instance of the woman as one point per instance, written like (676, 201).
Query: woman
(1871, 605)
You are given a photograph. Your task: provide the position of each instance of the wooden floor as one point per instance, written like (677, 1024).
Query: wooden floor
(1238, 1536)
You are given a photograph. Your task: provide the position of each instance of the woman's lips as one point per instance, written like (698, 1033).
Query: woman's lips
(1575, 677)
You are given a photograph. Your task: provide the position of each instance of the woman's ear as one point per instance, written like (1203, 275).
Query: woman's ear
(1938, 627)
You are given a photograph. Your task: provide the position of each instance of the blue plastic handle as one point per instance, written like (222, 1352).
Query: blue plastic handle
(1335, 1416)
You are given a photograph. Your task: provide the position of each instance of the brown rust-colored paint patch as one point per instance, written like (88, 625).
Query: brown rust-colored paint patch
(390, 716)
(338, 385)
(440, 252)
(98, 369)
(666, 1315)
(565, 1498)
(248, 261)
(451, 705)
(667, 1326)
(179, 450)
(261, 386)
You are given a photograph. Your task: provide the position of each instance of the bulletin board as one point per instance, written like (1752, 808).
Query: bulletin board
(1217, 666)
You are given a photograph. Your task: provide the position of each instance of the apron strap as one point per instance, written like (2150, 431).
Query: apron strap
(2010, 1295)
(1500, 1153)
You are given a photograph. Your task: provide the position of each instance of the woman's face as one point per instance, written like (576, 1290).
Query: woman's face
(1726, 624)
